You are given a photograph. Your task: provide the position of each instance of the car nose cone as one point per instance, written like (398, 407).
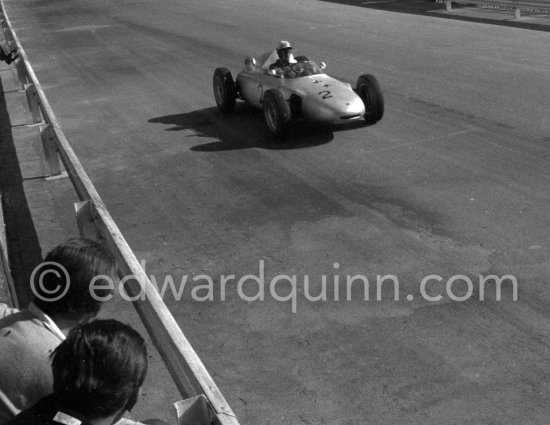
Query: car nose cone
(345, 107)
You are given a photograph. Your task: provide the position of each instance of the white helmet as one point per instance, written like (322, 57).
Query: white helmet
(284, 45)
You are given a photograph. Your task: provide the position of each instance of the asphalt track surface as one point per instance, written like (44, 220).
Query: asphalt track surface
(454, 180)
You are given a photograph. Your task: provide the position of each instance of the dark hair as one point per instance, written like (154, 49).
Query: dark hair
(99, 368)
(83, 259)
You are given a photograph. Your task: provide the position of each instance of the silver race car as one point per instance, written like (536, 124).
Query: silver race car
(300, 91)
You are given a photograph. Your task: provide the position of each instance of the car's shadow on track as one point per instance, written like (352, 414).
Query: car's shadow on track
(244, 129)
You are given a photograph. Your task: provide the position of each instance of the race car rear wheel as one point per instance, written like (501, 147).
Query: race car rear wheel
(224, 90)
(276, 112)
(369, 91)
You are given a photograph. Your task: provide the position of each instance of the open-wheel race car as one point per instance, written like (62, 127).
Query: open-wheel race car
(302, 91)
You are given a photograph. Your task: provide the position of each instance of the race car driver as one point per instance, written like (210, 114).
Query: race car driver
(282, 64)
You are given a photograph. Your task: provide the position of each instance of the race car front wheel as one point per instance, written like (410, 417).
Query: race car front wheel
(369, 91)
(276, 112)
(224, 90)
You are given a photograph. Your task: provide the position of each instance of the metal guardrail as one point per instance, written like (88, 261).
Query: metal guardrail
(516, 5)
(94, 221)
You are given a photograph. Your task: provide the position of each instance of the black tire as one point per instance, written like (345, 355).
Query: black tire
(224, 90)
(276, 112)
(369, 91)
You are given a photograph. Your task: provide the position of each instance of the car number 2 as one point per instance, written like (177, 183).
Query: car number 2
(325, 94)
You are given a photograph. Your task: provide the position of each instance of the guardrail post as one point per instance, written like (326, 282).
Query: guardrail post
(50, 149)
(32, 99)
(21, 72)
(195, 410)
(86, 218)
(7, 34)
(12, 45)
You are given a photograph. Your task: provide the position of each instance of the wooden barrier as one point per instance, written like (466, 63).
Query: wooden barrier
(94, 221)
(516, 5)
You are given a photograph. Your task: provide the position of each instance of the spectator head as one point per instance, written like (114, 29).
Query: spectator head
(99, 369)
(83, 260)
